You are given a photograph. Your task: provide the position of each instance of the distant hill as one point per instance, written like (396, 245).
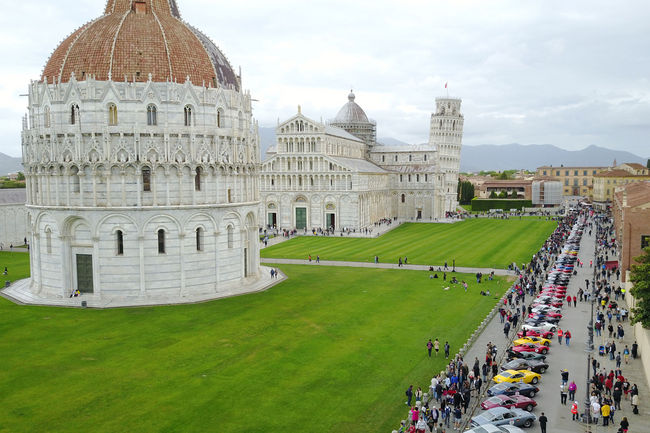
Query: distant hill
(9, 164)
(529, 157)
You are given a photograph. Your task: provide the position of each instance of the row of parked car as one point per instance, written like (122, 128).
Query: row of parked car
(510, 401)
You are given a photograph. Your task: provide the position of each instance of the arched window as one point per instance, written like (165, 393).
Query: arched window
(188, 115)
(231, 237)
(74, 114)
(383, 158)
(229, 196)
(425, 156)
(112, 114)
(146, 179)
(152, 115)
(46, 117)
(241, 120)
(219, 118)
(403, 198)
(199, 239)
(120, 242)
(197, 179)
(161, 241)
(48, 240)
(74, 179)
(410, 157)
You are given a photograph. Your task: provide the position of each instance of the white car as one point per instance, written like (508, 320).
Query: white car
(540, 327)
(545, 309)
(491, 428)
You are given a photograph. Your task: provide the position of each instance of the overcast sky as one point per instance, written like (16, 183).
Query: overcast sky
(569, 73)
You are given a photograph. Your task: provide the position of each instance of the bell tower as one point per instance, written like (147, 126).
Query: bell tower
(446, 136)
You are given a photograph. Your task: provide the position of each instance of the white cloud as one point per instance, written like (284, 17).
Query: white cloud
(565, 73)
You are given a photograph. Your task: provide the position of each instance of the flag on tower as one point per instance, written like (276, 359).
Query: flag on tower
(445, 85)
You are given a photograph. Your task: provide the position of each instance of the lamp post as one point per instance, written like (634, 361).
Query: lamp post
(589, 346)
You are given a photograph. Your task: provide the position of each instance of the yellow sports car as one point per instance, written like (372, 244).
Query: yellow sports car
(513, 376)
(537, 340)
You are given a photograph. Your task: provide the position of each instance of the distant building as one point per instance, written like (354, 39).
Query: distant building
(607, 181)
(335, 175)
(522, 187)
(13, 217)
(574, 180)
(631, 211)
(546, 193)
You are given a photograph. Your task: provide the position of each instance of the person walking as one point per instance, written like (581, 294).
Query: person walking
(626, 354)
(436, 346)
(542, 422)
(625, 425)
(563, 393)
(506, 329)
(409, 395)
(564, 375)
(567, 337)
(605, 411)
(574, 411)
(559, 335)
(446, 349)
(575, 301)
(572, 390)
(429, 347)
(635, 403)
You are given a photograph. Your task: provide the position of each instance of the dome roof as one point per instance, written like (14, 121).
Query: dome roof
(351, 112)
(135, 38)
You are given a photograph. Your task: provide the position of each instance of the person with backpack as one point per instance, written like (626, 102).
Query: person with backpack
(567, 337)
(409, 395)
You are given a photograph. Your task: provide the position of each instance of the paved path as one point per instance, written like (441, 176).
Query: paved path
(573, 358)
(386, 266)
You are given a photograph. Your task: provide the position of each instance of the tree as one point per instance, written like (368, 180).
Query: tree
(513, 194)
(503, 194)
(647, 164)
(640, 276)
(503, 176)
(465, 192)
(21, 176)
(493, 194)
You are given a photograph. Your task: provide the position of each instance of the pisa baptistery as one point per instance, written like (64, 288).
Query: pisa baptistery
(141, 158)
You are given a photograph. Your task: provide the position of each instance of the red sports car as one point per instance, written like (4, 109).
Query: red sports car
(509, 401)
(530, 347)
(543, 334)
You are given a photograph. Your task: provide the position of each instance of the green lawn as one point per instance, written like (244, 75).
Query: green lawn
(482, 242)
(17, 266)
(329, 350)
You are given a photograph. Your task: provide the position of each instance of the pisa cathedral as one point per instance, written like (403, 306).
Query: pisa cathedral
(144, 183)
(336, 176)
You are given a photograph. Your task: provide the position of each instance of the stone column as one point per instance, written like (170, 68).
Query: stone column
(143, 288)
(181, 247)
(97, 287)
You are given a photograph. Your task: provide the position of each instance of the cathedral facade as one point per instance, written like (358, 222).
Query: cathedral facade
(141, 161)
(336, 176)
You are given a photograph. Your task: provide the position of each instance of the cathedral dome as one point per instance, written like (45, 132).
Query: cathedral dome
(136, 38)
(351, 112)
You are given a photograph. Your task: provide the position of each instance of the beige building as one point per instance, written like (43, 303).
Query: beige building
(631, 211)
(607, 181)
(575, 180)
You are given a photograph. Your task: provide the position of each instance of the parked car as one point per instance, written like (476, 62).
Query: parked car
(526, 364)
(501, 415)
(509, 401)
(529, 347)
(544, 326)
(512, 389)
(491, 428)
(532, 339)
(526, 355)
(544, 334)
(511, 376)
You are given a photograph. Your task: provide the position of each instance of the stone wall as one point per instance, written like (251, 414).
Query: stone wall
(641, 335)
(13, 225)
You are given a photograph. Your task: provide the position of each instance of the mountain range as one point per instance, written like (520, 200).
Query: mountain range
(510, 156)
(9, 164)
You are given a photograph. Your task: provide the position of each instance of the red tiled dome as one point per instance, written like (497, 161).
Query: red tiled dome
(135, 38)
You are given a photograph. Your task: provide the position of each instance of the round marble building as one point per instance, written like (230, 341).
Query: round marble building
(141, 158)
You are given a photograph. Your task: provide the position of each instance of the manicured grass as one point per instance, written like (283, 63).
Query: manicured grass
(17, 266)
(481, 242)
(329, 350)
